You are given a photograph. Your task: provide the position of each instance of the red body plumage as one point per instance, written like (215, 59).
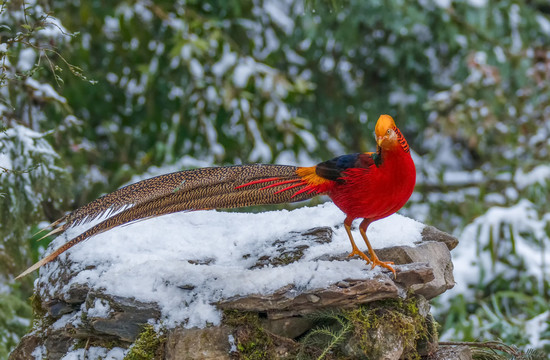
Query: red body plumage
(378, 191)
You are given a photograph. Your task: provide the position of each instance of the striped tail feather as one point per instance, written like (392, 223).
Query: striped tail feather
(199, 189)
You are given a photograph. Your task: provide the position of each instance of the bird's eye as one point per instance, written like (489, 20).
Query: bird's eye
(388, 132)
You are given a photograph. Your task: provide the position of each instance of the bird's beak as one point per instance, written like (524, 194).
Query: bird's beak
(379, 140)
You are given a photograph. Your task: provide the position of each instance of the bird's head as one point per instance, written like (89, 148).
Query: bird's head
(386, 132)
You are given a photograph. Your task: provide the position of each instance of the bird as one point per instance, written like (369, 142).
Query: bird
(368, 186)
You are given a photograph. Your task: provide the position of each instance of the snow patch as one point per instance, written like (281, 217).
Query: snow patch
(213, 253)
(278, 16)
(101, 309)
(27, 59)
(243, 71)
(95, 352)
(44, 91)
(536, 327)
(539, 175)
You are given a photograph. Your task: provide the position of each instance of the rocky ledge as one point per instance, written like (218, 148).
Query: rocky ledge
(376, 316)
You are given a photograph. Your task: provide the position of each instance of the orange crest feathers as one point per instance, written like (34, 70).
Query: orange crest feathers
(384, 123)
(388, 135)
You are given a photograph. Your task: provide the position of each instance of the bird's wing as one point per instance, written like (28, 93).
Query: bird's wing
(335, 169)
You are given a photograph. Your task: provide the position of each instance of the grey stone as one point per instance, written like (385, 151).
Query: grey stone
(289, 327)
(452, 353)
(126, 319)
(58, 308)
(290, 301)
(430, 233)
(436, 255)
(212, 343)
(386, 343)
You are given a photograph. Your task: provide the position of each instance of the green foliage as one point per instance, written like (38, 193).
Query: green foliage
(14, 315)
(324, 338)
(31, 175)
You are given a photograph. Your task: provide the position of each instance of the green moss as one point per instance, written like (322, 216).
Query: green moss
(36, 304)
(362, 328)
(39, 313)
(148, 346)
(390, 315)
(251, 340)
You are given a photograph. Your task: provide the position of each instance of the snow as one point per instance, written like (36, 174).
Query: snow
(515, 21)
(39, 352)
(213, 253)
(101, 309)
(196, 69)
(278, 16)
(536, 327)
(44, 91)
(243, 71)
(5, 162)
(478, 3)
(539, 175)
(544, 24)
(54, 29)
(95, 352)
(27, 59)
(261, 150)
(227, 61)
(520, 222)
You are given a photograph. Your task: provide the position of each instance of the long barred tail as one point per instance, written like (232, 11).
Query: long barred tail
(199, 189)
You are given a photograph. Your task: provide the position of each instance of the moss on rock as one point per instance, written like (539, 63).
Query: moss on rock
(251, 340)
(396, 320)
(393, 328)
(148, 345)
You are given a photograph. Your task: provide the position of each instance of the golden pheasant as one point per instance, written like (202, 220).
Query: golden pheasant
(369, 186)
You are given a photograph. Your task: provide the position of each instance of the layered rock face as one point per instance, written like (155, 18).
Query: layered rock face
(368, 315)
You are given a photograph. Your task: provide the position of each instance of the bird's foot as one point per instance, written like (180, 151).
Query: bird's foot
(384, 264)
(361, 254)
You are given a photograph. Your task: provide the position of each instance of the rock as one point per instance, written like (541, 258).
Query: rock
(426, 270)
(438, 258)
(430, 233)
(125, 320)
(290, 301)
(211, 343)
(289, 327)
(26, 347)
(387, 344)
(452, 353)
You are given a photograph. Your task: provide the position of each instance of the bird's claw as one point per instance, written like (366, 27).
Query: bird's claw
(384, 264)
(374, 262)
(361, 254)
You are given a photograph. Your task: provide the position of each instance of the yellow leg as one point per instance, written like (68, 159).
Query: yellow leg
(373, 258)
(355, 250)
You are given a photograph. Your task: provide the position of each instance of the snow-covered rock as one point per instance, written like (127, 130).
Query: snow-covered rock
(181, 272)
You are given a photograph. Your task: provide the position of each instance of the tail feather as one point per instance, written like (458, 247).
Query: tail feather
(50, 226)
(208, 188)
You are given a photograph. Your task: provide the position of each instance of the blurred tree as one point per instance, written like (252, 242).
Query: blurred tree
(31, 178)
